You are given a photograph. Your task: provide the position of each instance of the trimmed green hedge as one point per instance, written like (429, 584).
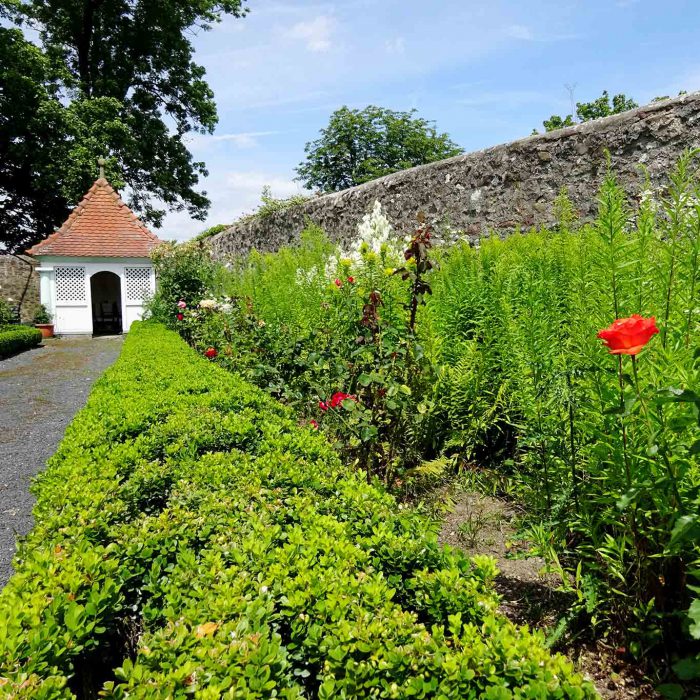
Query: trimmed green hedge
(17, 338)
(192, 539)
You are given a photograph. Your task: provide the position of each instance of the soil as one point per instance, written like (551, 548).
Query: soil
(530, 594)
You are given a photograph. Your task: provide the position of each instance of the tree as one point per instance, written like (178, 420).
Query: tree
(602, 107)
(556, 122)
(32, 120)
(361, 145)
(112, 78)
(586, 111)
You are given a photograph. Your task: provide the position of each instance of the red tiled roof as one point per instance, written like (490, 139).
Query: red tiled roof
(100, 226)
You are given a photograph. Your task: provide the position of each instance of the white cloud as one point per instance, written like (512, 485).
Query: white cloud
(315, 34)
(248, 139)
(233, 194)
(520, 31)
(395, 46)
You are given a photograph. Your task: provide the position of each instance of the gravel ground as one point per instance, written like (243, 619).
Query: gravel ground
(40, 392)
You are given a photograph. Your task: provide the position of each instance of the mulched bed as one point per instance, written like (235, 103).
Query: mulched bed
(479, 524)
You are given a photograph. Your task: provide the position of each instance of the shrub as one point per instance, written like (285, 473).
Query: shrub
(6, 313)
(14, 339)
(184, 272)
(192, 539)
(42, 315)
(504, 368)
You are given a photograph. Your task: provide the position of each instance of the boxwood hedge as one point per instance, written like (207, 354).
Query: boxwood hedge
(192, 539)
(17, 338)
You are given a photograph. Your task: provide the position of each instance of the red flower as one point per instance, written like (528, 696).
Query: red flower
(314, 424)
(627, 336)
(210, 353)
(323, 405)
(339, 397)
(351, 280)
(338, 283)
(180, 317)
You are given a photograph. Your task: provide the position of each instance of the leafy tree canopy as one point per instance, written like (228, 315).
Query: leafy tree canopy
(112, 78)
(586, 111)
(361, 145)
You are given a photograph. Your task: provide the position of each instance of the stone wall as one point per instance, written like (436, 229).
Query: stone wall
(499, 188)
(19, 284)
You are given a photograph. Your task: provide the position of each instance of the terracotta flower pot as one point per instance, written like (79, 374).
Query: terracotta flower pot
(46, 329)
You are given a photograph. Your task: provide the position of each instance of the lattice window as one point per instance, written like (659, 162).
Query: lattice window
(138, 283)
(70, 284)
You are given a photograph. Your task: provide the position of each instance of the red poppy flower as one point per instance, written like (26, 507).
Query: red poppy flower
(627, 336)
(339, 397)
(314, 424)
(180, 317)
(351, 280)
(210, 353)
(338, 283)
(323, 405)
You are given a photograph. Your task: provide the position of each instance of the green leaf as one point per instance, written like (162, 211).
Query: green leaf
(694, 614)
(672, 691)
(686, 527)
(364, 380)
(626, 499)
(688, 669)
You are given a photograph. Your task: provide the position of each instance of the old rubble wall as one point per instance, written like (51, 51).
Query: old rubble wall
(499, 188)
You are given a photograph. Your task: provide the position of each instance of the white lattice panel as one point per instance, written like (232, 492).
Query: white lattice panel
(70, 284)
(138, 283)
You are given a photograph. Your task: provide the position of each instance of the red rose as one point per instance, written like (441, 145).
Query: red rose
(314, 424)
(180, 317)
(338, 283)
(627, 336)
(323, 405)
(210, 353)
(351, 280)
(339, 397)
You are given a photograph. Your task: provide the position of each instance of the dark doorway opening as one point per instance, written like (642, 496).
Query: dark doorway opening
(106, 292)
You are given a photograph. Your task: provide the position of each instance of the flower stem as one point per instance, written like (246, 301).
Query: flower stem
(621, 379)
(664, 455)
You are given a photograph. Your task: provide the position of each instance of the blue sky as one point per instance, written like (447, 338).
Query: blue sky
(485, 72)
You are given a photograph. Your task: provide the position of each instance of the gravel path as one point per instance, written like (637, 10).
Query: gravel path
(40, 392)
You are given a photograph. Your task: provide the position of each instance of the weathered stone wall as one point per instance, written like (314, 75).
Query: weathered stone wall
(497, 189)
(19, 284)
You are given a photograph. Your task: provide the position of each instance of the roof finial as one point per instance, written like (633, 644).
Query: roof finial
(102, 162)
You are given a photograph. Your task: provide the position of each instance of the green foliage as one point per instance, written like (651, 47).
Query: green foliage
(211, 231)
(6, 313)
(32, 125)
(271, 205)
(73, 99)
(42, 315)
(361, 145)
(184, 273)
(556, 122)
(14, 339)
(504, 369)
(192, 539)
(603, 106)
(586, 111)
(336, 331)
(607, 459)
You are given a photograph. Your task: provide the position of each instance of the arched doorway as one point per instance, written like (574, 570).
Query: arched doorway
(106, 294)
